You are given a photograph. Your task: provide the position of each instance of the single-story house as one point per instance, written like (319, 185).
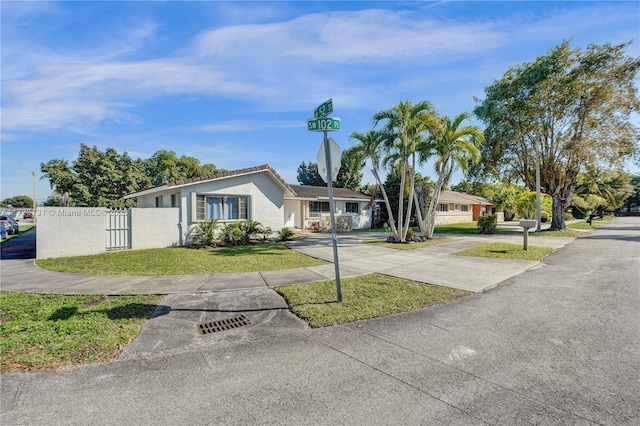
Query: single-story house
(256, 193)
(460, 207)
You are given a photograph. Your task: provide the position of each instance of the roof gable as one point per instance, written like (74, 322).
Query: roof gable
(315, 192)
(462, 197)
(218, 176)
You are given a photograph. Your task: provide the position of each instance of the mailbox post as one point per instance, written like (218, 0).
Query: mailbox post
(526, 225)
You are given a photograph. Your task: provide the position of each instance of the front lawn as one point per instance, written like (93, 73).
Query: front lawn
(507, 251)
(40, 332)
(364, 297)
(185, 261)
(458, 228)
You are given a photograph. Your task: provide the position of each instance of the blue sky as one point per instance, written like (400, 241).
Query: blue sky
(233, 83)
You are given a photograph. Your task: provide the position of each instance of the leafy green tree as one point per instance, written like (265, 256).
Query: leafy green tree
(350, 172)
(103, 178)
(600, 190)
(569, 110)
(369, 148)
(633, 200)
(165, 166)
(349, 175)
(405, 124)
(19, 201)
(308, 175)
(453, 146)
(62, 181)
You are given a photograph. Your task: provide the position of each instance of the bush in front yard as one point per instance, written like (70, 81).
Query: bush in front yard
(205, 233)
(488, 224)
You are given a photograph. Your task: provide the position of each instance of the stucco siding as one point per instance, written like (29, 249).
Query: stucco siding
(153, 228)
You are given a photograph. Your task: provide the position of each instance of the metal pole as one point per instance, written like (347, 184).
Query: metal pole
(33, 174)
(538, 212)
(334, 238)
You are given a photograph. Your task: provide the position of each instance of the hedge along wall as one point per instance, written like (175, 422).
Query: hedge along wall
(78, 231)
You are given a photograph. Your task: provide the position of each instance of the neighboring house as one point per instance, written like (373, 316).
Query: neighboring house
(459, 207)
(310, 204)
(256, 193)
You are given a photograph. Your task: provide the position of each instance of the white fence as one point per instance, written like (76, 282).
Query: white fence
(77, 231)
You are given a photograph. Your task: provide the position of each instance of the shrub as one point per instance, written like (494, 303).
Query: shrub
(411, 235)
(487, 224)
(232, 234)
(285, 234)
(544, 217)
(568, 216)
(250, 228)
(205, 233)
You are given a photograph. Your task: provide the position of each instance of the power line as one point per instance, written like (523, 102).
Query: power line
(16, 157)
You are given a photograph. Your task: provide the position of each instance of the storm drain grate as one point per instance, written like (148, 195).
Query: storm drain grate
(223, 324)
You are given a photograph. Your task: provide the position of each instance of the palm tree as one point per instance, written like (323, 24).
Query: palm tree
(405, 122)
(453, 146)
(370, 148)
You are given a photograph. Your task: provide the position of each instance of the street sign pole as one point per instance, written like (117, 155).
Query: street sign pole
(332, 208)
(321, 123)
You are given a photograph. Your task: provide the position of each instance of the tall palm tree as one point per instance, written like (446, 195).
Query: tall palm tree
(406, 123)
(370, 148)
(453, 146)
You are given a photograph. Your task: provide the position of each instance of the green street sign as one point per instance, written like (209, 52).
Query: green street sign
(323, 124)
(324, 109)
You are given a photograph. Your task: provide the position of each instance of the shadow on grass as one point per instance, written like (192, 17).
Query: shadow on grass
(128, 311)
(253, 249)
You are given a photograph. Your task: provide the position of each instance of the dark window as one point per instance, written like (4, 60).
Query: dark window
(316, 208)
(352, 207)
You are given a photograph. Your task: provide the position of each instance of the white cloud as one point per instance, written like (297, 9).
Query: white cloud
(363, 56)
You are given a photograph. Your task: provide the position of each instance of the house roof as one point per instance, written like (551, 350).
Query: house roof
(464, 198)
(322, 192)
(223, 175)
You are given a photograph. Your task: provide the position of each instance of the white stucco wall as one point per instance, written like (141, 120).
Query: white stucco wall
(79, 231)
(155, 228)
(70, 231)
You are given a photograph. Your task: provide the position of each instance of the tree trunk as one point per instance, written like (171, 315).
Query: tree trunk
(433, 208)
(401, 195)
(557, 213)
(411, 193)
(392, 223)
(419, 213)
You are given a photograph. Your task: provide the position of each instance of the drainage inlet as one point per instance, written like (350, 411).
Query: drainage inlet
(223, 324)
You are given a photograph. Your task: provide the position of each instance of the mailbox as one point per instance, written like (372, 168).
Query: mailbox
(526, 225)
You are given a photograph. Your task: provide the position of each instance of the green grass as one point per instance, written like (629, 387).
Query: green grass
(583, 225)
(458, 228)
(22, 228)
(507, 251)
(363, 298)
(184, 261)
(41, 332)
(407, 246)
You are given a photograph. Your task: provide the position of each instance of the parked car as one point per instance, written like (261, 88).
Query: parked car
(27, 215)
(10, 224)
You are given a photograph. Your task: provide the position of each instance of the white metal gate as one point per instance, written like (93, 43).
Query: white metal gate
(118, 229)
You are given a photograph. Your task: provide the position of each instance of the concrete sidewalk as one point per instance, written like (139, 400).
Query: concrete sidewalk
(432, 265)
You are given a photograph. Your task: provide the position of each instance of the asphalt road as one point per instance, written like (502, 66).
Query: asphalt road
(555, 345)
(21, 247)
